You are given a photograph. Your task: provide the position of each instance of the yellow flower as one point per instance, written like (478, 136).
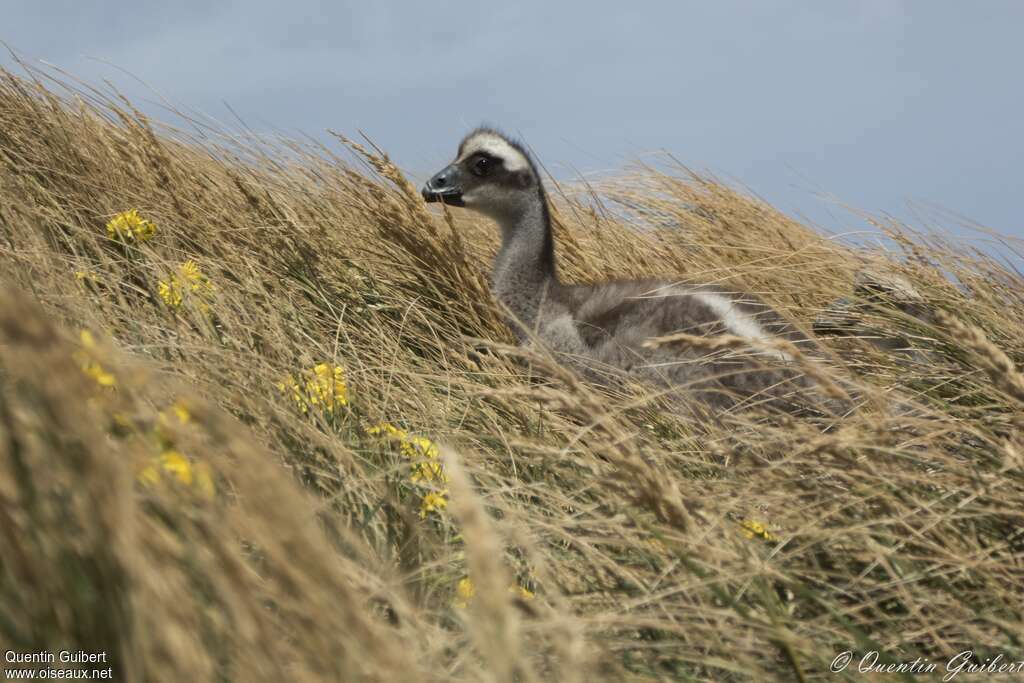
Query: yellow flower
(89, 365)
(433, 502)
(324, 386)
(414, 447)
(424, 471)
(101, 376)
(170, 292)
(177, 466)
(464, 593)
(419, 445)
(428, 472)
(327, 387)
(176, 411)
(289, 385)
(521, 592)
(388, 430)
(751, 528)
(170, 461)
(188, 281)
(176, 414)
(180, 410)
(129, 226)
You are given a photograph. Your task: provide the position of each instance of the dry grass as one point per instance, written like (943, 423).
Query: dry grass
(313, 558)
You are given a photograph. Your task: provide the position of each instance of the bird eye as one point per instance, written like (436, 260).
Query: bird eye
(482, 166)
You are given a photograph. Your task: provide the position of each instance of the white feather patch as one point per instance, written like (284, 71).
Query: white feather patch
(736, 320)
(496, 146)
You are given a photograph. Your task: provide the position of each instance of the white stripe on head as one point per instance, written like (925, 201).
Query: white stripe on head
(496, 146)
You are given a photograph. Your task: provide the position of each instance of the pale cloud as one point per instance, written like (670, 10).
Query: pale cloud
(875, 101)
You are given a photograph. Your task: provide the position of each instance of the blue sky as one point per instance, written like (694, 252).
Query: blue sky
(895, 106)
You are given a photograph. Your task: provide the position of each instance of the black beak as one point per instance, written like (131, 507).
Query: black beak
(444, 187)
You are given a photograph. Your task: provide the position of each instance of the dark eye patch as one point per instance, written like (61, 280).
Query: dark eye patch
(482, 163)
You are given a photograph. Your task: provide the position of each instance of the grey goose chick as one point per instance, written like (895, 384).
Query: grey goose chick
(600, 328)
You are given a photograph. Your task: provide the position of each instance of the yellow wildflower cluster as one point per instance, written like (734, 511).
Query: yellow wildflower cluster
(751, 528)
(426, 467)
(465, 591)
(188, 281)
(177, 414)
(323, 386)
(414, 447)
(90, 366)
(171, 462)
(180, 410)
(130, 226)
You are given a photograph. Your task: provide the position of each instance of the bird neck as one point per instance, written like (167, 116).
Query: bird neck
(524, 270)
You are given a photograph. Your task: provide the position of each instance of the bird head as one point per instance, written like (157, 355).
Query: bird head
(491, 174)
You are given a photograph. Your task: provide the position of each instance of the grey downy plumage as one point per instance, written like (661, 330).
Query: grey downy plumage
(601, 329)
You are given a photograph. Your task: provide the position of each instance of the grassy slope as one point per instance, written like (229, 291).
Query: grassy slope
(312, 561)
